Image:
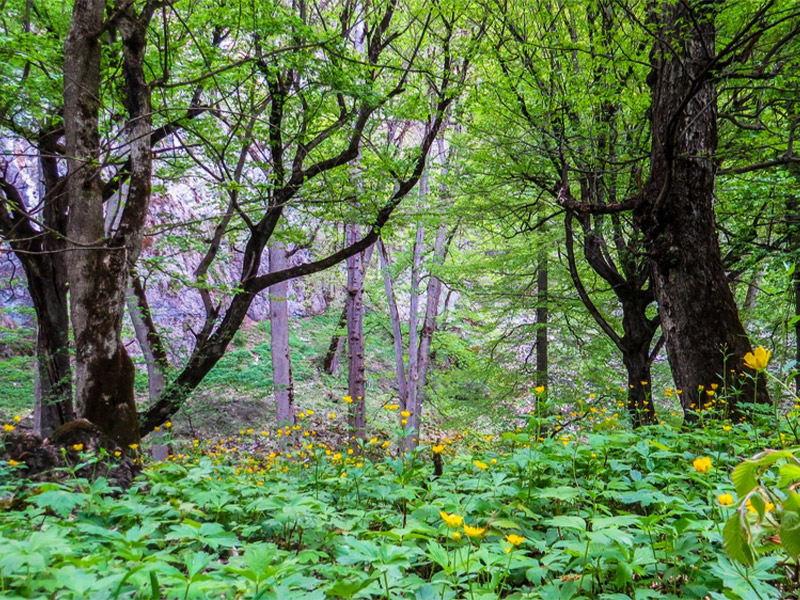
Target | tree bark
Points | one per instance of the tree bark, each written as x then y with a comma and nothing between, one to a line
356,378
282,381
397,333
155,357
705,339
541,321
433,295
99,265
638,329
331,362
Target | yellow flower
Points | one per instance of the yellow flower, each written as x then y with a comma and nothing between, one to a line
348,399
456,535
702,464
8,427
77,447
17,419
117,453
768,506
474,531
404,422
438,449
168,425
481,465
12,462
539,389
514,539
725,499
156,428
405,414
332,416
757,359
133,446
451,520
393,406
726,428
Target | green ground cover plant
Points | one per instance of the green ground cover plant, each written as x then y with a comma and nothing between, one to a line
536,512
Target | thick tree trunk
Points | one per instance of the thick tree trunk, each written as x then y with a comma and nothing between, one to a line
279,335
47,286
100,266
356,378
705,339
54,405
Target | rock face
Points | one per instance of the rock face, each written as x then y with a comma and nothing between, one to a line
57,458
180,224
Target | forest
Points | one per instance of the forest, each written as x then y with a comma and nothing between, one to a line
395,299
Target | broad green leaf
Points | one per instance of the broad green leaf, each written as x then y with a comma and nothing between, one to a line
567,521
736,539
789,473
744,477
790,533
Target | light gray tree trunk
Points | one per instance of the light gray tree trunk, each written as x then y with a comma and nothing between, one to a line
279,337
155,357
397,333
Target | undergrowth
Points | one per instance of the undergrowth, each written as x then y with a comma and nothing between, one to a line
610,515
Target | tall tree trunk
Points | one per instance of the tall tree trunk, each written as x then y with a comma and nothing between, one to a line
46,284
155,356
279,336
638,329
100,266
397,333
413,308
54,405
705,339
356,378
541,320
433,295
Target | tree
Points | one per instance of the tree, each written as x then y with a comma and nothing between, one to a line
100,262
325,125
704,337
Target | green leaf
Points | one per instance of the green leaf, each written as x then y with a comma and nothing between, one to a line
744,477
790,533
61,502
439,555
736,539
568,522
789,473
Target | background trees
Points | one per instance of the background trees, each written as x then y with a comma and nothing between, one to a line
280,122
